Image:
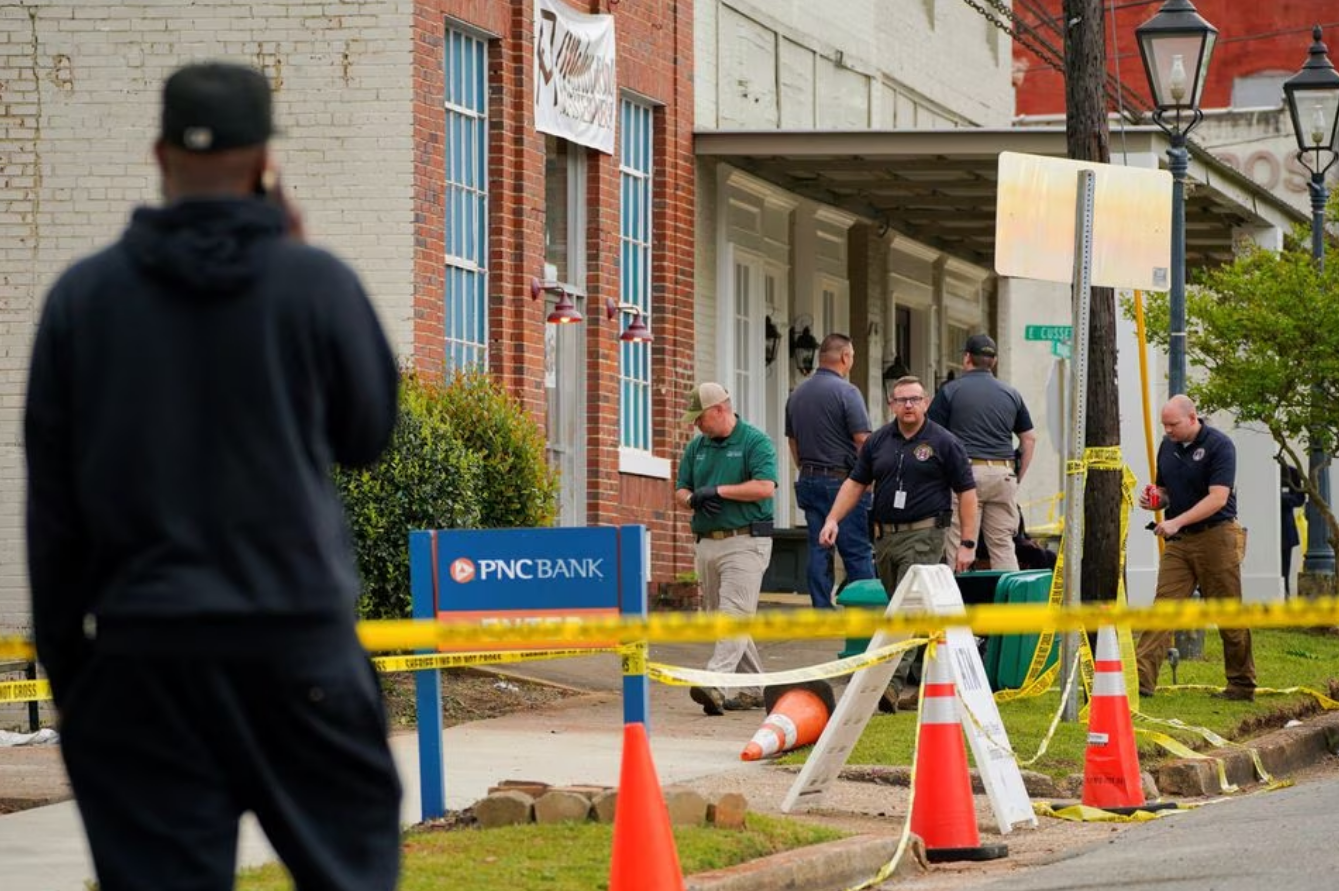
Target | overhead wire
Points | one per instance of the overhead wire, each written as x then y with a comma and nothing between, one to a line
1116,91
1031,38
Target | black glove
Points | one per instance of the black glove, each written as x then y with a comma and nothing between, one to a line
707,500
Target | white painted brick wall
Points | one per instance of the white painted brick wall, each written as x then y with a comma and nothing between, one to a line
79,105
912,64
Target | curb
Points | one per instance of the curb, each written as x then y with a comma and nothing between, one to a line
831,866
1281,752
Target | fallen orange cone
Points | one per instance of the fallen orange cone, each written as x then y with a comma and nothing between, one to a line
644,857
1111,777
942,811
796,716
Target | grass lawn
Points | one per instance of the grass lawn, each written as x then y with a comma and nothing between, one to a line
575,857
564,857
1283,658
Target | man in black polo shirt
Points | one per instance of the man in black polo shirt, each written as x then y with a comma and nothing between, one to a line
1197,470
826,423
986,414
915,466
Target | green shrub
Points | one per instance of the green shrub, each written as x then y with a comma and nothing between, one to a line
428,478
519,488
463,456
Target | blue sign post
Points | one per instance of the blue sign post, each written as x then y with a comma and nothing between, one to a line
519,576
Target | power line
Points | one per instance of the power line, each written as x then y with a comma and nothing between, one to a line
1031,38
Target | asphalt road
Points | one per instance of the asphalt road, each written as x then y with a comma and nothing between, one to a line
1282,839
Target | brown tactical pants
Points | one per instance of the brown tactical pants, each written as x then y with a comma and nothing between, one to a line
1212,559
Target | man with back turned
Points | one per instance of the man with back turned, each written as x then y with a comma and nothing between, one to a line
192,581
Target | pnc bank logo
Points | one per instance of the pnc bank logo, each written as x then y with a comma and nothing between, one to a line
462,570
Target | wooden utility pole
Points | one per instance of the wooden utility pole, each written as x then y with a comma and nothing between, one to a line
1088,138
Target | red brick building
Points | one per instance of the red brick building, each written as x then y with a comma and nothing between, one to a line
499,203
1259,46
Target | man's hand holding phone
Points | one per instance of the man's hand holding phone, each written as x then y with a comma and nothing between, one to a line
270,189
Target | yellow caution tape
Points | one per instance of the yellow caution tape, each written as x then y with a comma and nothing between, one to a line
633,660
405,634
1082,813
1322,700
426,661
677,676
904,840
25,691
1181,750
1038,678
1215,740
1055,719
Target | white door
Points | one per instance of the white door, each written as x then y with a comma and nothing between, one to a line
776,298
747,382
565,387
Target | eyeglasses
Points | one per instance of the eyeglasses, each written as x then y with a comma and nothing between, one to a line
906,400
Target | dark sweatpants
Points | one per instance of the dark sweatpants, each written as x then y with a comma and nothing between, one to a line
166,753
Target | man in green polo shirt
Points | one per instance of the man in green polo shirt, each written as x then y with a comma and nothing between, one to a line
727,477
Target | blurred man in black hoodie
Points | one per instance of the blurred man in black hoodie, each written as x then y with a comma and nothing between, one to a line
192,581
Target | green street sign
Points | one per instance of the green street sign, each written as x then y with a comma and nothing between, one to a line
1049,332
1061,349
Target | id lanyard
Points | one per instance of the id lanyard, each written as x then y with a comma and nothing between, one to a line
900,494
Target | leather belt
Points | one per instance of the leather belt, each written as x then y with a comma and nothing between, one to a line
720,534
1204,527
993,462
890,528
816,470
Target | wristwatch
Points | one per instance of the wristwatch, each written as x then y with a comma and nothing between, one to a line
969,543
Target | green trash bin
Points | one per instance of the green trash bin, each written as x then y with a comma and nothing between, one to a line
1008,656
862,594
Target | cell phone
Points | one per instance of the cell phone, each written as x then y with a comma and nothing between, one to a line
267,187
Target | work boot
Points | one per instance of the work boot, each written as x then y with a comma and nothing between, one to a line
907,701
742,702
888,699
1235,694
711,700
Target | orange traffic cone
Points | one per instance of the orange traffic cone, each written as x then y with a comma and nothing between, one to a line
943,813
1111,766
644,857
796,716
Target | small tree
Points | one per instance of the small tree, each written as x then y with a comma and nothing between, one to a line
428,478
1265,331
519,488
465,455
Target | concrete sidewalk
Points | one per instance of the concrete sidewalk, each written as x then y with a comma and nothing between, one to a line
578,741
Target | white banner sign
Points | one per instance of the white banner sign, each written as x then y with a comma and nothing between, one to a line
576,92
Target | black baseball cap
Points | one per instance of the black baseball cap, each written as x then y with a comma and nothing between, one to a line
980,345
215,106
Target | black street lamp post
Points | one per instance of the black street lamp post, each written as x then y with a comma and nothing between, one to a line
1176,45
1313,103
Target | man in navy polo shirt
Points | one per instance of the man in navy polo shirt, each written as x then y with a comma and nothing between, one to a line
986,414
915,466
1197,471
826,423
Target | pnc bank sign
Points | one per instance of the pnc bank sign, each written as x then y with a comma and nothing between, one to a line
465,570
519,576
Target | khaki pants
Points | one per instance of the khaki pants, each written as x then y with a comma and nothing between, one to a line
997,501
894,554
731,571
1212,560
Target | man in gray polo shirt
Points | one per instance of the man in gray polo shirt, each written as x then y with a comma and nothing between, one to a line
986,414
826,423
